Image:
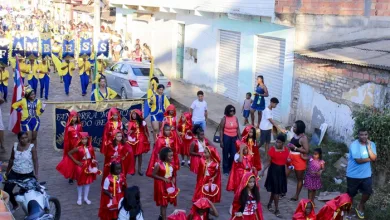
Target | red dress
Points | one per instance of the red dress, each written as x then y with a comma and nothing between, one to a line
331,210
177,215
171,121
185,127
116,154
238,170
300,212
252,147
165,193
138,139
109,128
109,207
205,186
198,148
162,142
84,173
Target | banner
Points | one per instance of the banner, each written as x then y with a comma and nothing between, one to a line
32,48
93,117
68,47
17,45
85,46
45,45
4,51
103,46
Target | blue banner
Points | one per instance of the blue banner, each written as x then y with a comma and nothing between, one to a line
85,46
68,47
103,48
45,45
18,46
92,121
4,51
32,48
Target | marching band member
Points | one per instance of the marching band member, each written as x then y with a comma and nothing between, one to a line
83,156
201,209
305,211
102,93
197,148
101,66
158,103
249,138
114,122
185,132
44,77
67,68
170,118
84,71
4,76
31,71
336,209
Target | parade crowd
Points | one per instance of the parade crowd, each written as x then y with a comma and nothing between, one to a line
178,142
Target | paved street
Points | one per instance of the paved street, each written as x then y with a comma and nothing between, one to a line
59,187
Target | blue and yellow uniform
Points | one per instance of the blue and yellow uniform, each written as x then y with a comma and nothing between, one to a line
32,76
158,105
67,72
84,70
31,110
4,76
98,96
44,78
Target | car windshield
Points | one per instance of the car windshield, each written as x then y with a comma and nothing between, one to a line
145,72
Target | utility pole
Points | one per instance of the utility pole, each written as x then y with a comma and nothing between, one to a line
96,26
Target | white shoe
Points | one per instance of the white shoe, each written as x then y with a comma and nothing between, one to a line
79,202
87,201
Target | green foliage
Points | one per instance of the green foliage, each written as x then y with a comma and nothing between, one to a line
378,207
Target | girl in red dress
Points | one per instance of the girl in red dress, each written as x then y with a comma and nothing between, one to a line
85,162
242,164
178,214
208,182
121,152
164,175
71,136
185,133
138,137
246,203
201,209
113,188
305,210
197,148
170,119
164,139
336,209
249,138
114,122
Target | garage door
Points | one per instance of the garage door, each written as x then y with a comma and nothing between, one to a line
270,64
228,63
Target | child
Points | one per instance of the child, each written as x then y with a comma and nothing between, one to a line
208,182
164,140
184,128
83,156
246,203
138,136
305,210
112,192
242,164
178,214
313,173
114,122
164,175
197,148
130,205
170,119
249,138
336,209
71,137
246,107
201,209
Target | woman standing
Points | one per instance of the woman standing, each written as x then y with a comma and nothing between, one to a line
299,147
229,133
103,93
23,164
258,103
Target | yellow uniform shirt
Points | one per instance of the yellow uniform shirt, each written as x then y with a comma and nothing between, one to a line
69,69
4,76
31,70
99,96
101,67
43,69
23,105
85,67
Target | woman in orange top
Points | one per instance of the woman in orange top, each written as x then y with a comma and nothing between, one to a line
114,122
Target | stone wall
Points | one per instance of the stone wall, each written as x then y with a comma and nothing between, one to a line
328,92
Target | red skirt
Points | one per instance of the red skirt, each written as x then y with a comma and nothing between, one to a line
185,146
84,176
214,196
128,165
195,163
256,158
142,146
161,195
106,213
67,168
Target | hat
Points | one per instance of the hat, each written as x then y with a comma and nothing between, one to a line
84,134
28,90
202,203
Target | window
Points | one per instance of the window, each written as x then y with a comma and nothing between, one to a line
145,72
125,69
116,67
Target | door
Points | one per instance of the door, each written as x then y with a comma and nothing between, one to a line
180,51
228,63
270,64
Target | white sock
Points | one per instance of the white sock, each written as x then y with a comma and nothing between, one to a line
86,191
79,192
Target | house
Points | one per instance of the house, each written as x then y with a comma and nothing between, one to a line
219,45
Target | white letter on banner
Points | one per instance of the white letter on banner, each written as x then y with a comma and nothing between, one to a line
46,48
103,47
32,46
68,48
86,46
18,46
2,53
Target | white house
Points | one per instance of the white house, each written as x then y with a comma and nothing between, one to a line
216,44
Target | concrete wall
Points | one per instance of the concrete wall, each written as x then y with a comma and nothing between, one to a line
328,92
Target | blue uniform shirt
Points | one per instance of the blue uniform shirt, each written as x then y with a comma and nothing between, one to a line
358,151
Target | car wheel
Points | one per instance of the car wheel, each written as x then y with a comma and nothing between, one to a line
123,94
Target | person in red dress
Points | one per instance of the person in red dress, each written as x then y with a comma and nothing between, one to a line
164,139
71,136
121,152
138,137
178,214
164,175
249,138
170,119
208,181
305,210
197,148
113,188
336,209
114,122
201,209
185,133
246,204
242,164
85,162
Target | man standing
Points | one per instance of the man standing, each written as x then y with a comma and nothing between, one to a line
199,111
361,153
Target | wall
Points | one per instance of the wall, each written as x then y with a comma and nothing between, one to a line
327,92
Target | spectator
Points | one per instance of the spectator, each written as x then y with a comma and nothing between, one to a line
361,153
199,111
246,107
229,133
130,205
258,103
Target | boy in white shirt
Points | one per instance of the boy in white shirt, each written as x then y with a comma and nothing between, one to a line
199,111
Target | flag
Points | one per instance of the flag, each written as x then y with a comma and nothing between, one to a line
15,116
94,75
146,101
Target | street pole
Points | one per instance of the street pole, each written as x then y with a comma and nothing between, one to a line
96,26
